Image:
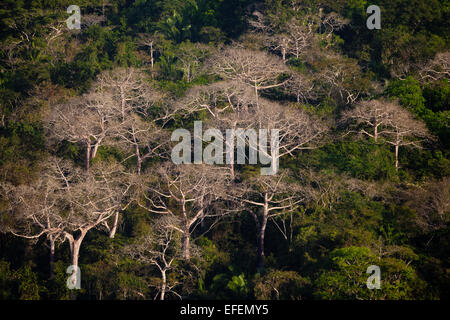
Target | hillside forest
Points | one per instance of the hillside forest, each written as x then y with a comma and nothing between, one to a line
87,177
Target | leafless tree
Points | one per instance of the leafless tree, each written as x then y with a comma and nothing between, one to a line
330,23
217,99
184,193
229,104
394,123
109,111
437,68
161,249
151,41
87,120
297,130
142,139
296,35
301,87
255,68
267,197
133,99
404,130
32,208
375,114
431,202
66,203
128,90
341,77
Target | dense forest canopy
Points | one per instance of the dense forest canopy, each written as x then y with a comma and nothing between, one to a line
87,180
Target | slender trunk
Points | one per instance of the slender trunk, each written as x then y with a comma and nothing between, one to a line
186,246
375,132
189,73
163,285
139,166
152,61
230,151
397,146
52,257
88,155
262,232
123,103
113,231
232,171
185,240
94,150
256,93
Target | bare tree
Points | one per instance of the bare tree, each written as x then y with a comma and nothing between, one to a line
375,114
395,124
227,102
341,77
330,23
161,249
254,68
296,130
267,197
297,34
404,130
301,87
217,99
437,68
185,193
32,209
142,139
66,203
128,90
431,202
87,121
151,41
133,100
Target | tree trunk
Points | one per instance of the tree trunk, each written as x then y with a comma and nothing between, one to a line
52,257
151,56
256,93
230,152
75,245
397,146
139,166
94,150
163,285
262,232
123,103
375,132
113,231
232,171
88,155
186,246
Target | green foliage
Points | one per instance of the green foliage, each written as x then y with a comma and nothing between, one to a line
280,285
347,277
360,159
